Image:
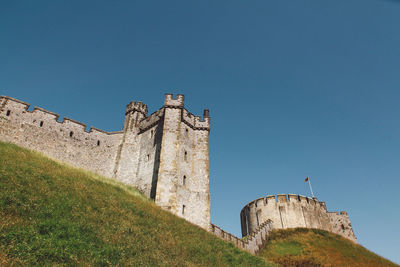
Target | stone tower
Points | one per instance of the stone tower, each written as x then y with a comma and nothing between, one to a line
291,211
164,155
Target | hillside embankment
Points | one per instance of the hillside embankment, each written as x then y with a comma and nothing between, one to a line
55,215
314,247
52,214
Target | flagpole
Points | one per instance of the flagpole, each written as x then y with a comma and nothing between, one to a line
309,183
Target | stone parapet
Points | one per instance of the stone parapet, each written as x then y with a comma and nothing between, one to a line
252,244
291,211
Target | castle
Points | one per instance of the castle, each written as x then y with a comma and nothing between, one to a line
293,211
165,155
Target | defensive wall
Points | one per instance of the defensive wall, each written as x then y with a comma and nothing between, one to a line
164,155
291,211
252,243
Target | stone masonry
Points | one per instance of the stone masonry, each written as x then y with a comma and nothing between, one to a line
164,155
294,211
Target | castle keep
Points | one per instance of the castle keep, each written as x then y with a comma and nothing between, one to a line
294,211
164,155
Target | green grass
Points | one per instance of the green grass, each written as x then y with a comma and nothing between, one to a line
52,214
313,247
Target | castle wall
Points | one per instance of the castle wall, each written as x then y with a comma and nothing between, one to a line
153,153
149,160
67,141
293,211
341,225
183,181
193,181
252,244
168,169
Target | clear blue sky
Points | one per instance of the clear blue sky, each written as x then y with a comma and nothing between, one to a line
295,88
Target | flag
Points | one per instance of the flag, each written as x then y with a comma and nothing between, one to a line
306,179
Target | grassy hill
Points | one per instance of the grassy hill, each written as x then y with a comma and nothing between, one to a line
54,214
313,247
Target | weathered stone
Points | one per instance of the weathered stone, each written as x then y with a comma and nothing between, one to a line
164,155
294,211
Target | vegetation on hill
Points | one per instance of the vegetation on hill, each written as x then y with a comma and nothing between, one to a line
52,214
313,247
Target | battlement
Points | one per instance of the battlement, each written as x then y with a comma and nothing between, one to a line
136,106
15,107
151,120
290,211
285,199
195,122
172,102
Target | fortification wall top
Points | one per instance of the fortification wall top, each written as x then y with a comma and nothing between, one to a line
15,105
172,102
283,198
136,106
195,122
151,120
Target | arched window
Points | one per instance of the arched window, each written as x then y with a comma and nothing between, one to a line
184,180
41,124
186,155
71,133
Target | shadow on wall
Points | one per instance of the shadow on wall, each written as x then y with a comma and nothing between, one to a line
157,144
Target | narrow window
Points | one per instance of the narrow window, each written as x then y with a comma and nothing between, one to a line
185,156
8,113
98,142
148,157
183,209
258,221
186,132
184,179
41,124
342,227
71,134
151,133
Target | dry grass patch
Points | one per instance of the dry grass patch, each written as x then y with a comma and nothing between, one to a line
313,247
58,215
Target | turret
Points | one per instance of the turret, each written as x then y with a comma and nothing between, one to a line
170,102
135,112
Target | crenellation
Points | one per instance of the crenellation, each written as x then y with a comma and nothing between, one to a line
282,198
172,102
260,202
136,106
152,120
290,211
144,154
201,124
46,113
294,198
271,199
166,156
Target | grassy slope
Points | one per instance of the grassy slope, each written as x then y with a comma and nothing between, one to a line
51,213
312,247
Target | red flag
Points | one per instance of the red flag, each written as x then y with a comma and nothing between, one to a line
306,179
